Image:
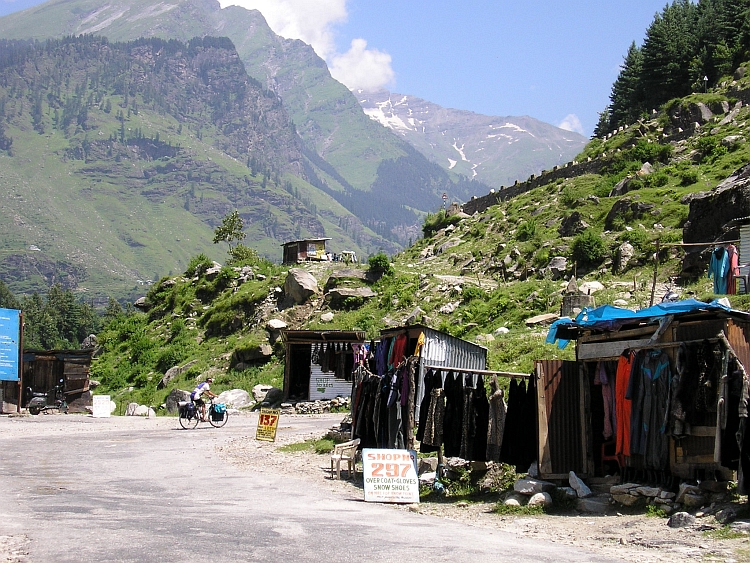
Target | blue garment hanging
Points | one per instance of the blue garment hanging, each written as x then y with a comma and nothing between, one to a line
719,270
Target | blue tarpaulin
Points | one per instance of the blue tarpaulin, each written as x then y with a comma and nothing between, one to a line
608,317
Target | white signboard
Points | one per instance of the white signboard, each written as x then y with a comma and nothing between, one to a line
390,475
101,406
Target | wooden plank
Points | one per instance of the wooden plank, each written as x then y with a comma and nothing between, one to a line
612,349
623,334
587,450
705,431
545,456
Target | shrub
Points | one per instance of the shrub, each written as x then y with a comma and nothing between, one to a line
588,248
650,152
688,177
527,230
471,292
638,238
198,265
436,221
541,258
656,180
380,263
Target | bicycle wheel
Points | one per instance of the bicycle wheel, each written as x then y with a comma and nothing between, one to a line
218,423
187,420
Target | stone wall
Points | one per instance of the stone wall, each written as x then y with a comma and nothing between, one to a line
566,171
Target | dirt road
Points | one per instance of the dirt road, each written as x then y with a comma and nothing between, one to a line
76,488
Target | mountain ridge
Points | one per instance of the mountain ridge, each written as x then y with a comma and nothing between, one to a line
496,150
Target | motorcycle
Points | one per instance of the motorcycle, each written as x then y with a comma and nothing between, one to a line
40,401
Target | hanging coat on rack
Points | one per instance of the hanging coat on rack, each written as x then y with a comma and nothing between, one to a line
454,414
496,421
719,270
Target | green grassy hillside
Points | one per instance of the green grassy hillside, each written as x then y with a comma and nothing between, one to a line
117,169
479,277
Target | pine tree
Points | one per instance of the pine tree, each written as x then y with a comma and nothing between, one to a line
627,92
668,49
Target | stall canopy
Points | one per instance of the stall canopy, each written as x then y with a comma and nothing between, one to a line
609,318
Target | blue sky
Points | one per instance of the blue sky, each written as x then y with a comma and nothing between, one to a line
554,61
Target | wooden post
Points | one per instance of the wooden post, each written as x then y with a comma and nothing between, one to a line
20,364
656,270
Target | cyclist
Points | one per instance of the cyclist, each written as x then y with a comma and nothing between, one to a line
197,396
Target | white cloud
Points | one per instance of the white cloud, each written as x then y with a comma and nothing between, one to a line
571,123
314,23
361,67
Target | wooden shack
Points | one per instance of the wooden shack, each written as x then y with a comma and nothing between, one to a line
304,250
571,409
43,369
317,362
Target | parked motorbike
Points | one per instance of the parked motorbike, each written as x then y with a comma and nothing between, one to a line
41,401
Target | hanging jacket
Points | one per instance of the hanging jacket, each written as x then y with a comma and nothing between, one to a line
719,270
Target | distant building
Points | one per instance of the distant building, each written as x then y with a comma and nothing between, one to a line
302,250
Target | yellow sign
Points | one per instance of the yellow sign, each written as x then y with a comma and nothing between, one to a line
268,422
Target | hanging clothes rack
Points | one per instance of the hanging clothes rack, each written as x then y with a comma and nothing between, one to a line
481,371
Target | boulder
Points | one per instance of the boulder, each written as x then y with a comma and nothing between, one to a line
590,287
623,256
448,245
646,170
236,398
260,391
739,74
532,486
540,499
681,520
326,317
556,268
427,465
594,505
142,410
627,184
515,499
726,515
174,372
89,342
690,500
687,489
175,397
578,485
275,324
342,298
142,304
273,399
730,141
245,357
627,210
627,500
572,225
623,489
300,285
651,492
709,211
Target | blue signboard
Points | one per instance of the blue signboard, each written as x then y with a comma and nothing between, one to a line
10,343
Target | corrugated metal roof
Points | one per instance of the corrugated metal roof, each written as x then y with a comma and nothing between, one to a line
314,336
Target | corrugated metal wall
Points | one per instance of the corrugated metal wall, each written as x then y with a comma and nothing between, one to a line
325,386
562,436
441,349
744,250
